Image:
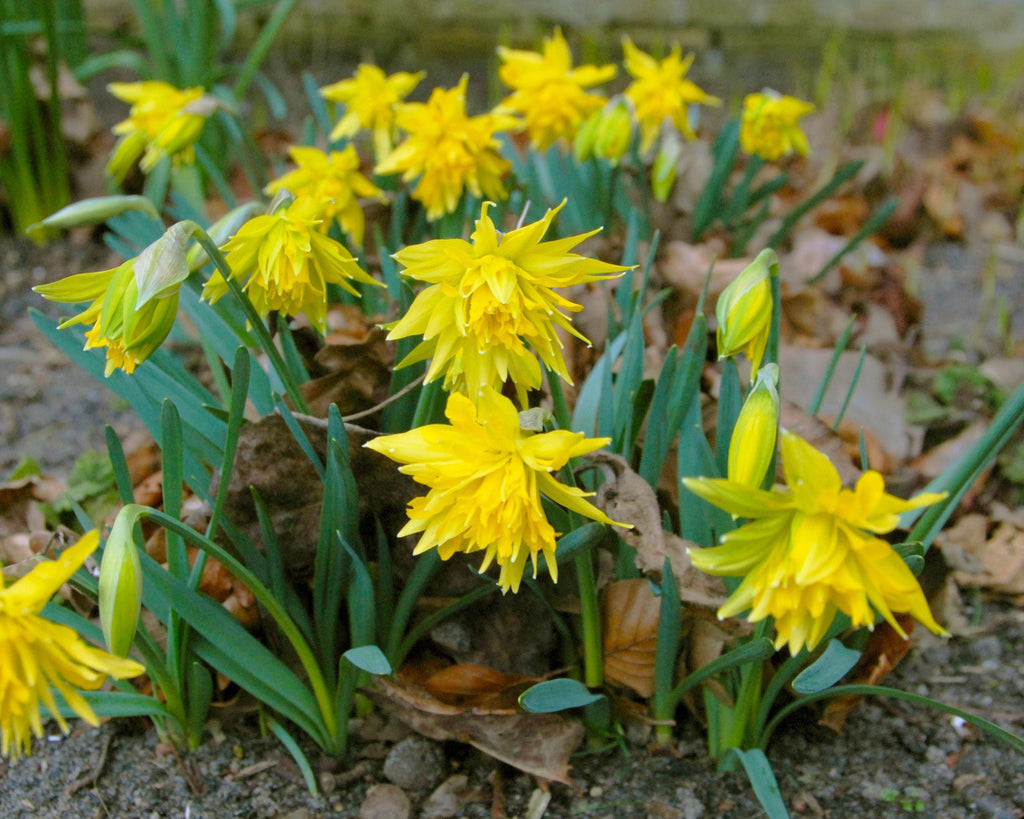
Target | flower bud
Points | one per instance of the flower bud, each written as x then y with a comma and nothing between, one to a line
744,311
586,136
92,211
163,264
663,174
753,438
614,132
120,594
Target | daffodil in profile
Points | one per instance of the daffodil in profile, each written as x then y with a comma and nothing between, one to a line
286,263
334,180
38,655
490,308
770,127
660,91
447,151
551,95
163,121
134,305
486,476
744,311
371,99
810,549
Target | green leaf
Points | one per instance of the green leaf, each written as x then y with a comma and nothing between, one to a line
827,670
114,704
308,776
557,695
369,659
762,780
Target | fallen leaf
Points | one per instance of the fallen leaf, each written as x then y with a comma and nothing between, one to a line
630,613
994,562
539,744
478,687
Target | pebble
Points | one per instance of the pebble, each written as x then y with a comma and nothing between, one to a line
448,798
986,650
415,764
385,802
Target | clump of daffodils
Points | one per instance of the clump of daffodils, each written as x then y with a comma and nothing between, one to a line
548,92
447,152
490,308
36,654
163,121
811,549
486,476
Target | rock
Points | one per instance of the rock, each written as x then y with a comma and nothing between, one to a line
447,800
986,650
692,807
385,802
415,764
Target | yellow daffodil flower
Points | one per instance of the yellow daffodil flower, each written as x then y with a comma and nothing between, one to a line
744,311
371,98
491,301
287,263
661,91
549,93
770,128
134,305
163,121
448,151
332,179
486,476
753,438
36,654
810,551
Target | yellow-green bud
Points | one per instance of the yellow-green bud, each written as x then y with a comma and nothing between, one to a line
93,211
120,594
163,264
663,174
744,311
753,438
583,145
614,132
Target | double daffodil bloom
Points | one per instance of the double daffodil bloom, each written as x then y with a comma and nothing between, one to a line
549,93
333,180
661,91
754,436
371,98
744,311
134,305
810,549
486,476
491,301
770,126
36,654
287,263
448,151
163,121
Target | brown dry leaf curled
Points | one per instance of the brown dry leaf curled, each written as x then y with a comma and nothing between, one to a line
539,744
630,613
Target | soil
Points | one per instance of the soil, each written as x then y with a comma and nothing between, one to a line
892,759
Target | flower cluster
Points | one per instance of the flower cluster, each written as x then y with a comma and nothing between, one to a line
36,654
770,126
163,121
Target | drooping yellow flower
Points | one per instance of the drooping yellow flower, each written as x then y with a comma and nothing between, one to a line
288,263
371,98
134,305
549,93
770,126
332,179
448,151
752,444
36,654
810,549
163,121
486,476
744,311
491,302
661,91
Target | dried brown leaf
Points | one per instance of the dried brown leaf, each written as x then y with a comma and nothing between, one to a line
539,744
630,615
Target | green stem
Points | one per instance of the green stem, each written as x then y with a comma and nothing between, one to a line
590,613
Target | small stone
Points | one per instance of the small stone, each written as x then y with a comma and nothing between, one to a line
691,806
415,764
597,791
986,650
448,799
385,802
